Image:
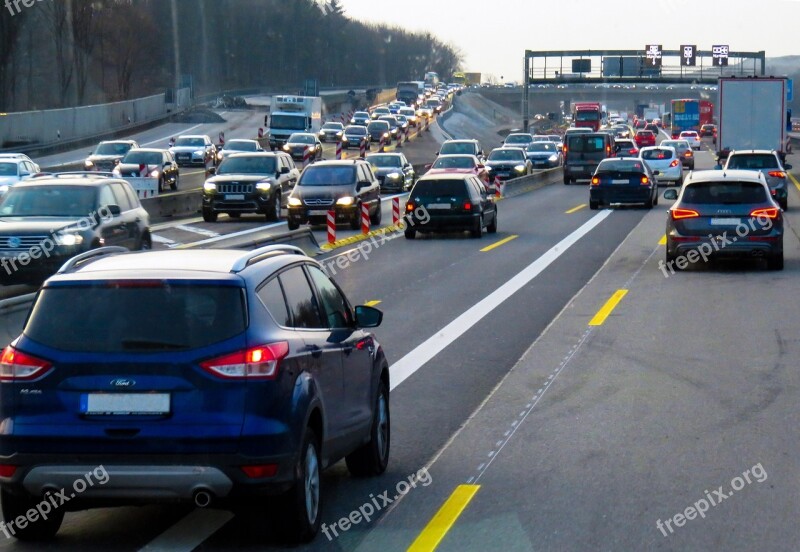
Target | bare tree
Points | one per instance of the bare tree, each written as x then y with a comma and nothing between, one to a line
59,18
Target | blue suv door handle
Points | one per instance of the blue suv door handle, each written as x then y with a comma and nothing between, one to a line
316,352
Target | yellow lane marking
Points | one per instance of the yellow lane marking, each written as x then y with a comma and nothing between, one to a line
796,183
445,518
574,209
371,303
603,313
499,243
663,240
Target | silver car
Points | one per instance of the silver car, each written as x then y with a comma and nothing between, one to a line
769,164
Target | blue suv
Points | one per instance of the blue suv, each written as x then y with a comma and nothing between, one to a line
203,376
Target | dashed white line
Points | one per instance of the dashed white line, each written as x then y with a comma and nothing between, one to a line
198,230
190,532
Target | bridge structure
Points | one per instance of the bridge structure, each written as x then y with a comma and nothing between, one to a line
652,65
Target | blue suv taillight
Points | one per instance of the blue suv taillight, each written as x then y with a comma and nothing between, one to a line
255,363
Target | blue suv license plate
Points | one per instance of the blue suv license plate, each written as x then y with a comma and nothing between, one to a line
125,404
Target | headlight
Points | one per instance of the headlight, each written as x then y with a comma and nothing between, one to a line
338,134
295,202
489,168
68,239
352,121
519,168
200,152
345,201
263,186
345,139
553,157
286,147
394,175
385,134
154,174
116,172
88,163
209,187
219,156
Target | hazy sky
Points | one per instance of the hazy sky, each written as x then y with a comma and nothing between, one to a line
493,35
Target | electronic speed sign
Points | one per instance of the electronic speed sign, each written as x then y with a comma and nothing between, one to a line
719,54
688,55
653,54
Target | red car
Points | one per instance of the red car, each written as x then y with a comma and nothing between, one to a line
459,164
645,138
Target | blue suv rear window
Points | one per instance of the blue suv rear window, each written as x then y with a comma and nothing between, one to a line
136,317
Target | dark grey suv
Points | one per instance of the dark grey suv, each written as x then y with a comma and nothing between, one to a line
250,183
339,186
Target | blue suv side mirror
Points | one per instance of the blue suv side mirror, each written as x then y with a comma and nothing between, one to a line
368,317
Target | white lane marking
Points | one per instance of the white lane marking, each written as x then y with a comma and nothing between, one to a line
235,234
414,360
166,138
161,239
174,223
196,230
190,532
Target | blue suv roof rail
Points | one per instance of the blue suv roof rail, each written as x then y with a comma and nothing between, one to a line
256,255
73,263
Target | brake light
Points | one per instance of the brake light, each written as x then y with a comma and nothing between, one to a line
260,471
467,206
645,180
687,154
256,363
409,206
633,151
7,470
674,163
777,174
18,366
678,214
769,212
595,181
608,150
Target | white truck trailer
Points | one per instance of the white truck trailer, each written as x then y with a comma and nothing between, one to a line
290,114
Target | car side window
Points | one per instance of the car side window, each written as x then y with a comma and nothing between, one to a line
289,162
120,197
334,305
362,174
134,199
272,297
107,197
300,299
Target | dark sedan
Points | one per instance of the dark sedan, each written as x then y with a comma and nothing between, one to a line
150,163
723,214
507,163
623,182
107,154
300,142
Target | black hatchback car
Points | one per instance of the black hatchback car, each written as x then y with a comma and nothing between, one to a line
342,186
623,182
47,220
724,214
150,163
447,203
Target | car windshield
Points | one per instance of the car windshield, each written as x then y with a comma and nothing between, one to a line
158,317
287,122
542,146
241,145
332,126
301,139
729,193
143,158
613,166
507,155
8,169
248,165
328,176
48,201
457,147
454,162
360,130
384,160
378,126
677,144
112,149
189,142
753,161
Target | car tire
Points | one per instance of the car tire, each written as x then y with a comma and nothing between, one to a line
594,205
410,234
492,228
784,204
15,506
146,243
174,184
209,215
372,458
274,209
376,218
302,504
292,224
671,261
355,220
775,262
477,230
160,185
567,181
655,198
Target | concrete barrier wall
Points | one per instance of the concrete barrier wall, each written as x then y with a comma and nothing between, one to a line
61,125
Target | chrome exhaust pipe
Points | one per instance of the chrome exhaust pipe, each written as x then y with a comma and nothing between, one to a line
202,498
